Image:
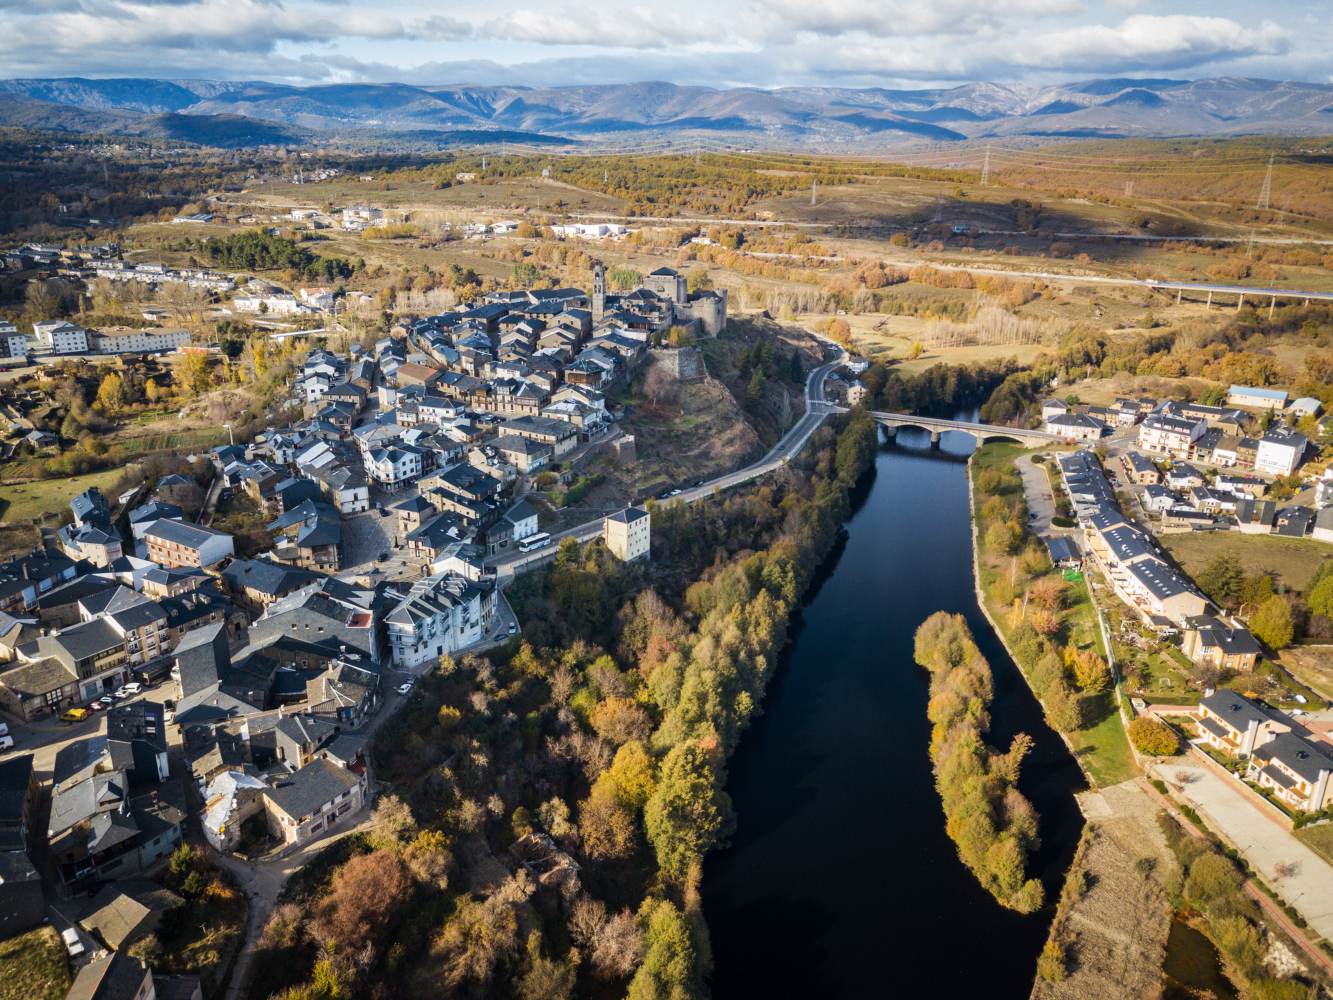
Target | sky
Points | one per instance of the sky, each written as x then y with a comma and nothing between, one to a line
765,43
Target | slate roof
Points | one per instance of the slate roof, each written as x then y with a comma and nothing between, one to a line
301,793
115,976
1238,710
1304,757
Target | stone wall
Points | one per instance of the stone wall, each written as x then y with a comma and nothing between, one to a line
686,364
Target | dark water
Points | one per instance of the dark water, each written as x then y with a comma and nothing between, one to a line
1193,964
840,880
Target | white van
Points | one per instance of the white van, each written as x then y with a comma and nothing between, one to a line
72,943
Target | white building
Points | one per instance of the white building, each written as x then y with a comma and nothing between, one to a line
392,467
440,615
317,298
1074,426
1172,436
1256,398
131,341
272,305
358,217
1279,453
628,533
522,518
61,337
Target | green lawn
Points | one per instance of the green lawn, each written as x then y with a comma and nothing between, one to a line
1102,749
30,501
1291,560
33,966
1319,839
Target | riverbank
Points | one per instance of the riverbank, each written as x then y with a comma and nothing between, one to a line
1109,934
1101,746
841,840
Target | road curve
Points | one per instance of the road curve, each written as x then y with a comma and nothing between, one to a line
817,410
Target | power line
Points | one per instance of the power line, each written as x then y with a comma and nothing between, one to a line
985,169
1266,192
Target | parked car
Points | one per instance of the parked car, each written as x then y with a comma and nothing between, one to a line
4,729
513,627
95,706
385,512
107,699
74,715
133,687
405,687
72,943
6,744
120,693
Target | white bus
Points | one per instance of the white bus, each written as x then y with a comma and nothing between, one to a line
534,541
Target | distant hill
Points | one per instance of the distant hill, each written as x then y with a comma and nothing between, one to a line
643,114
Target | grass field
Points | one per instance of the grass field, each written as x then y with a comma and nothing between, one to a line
1292,561
1319,839
1311,666
31,501
33,966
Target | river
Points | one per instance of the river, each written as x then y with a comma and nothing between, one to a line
840,880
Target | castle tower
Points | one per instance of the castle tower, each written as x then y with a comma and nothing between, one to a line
598,291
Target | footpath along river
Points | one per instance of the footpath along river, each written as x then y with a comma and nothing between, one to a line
840,880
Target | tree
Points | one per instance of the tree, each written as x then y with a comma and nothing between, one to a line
1091,673
1272,623
363,902
670,969
619,720
606,823
687,809
755,390
192,371
111,393
1064,707
1223,579
544,978
475,939
1320,598
1212,881
1153,737
1051,963
632,774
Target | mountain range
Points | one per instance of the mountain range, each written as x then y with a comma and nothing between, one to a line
225,113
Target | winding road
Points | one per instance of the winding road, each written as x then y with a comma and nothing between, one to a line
817,410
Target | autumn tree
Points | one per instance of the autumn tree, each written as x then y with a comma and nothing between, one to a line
1090,671
111,393
476,939
1153,737
363,902
1272,623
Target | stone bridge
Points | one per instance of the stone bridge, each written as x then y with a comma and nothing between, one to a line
982,432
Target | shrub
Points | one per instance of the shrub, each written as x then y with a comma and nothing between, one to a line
1051,963
1153,737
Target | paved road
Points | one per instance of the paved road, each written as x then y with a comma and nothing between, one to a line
817,410
1265,844
1039,496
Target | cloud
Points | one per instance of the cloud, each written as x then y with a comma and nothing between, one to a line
626,28
1151,42
707,42
774,20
